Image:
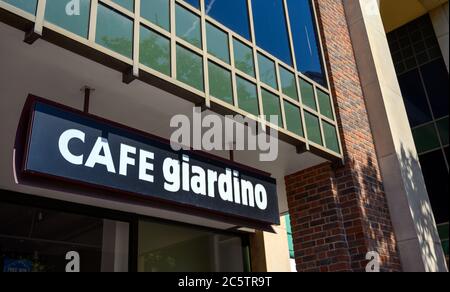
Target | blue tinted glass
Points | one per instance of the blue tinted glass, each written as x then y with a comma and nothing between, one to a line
415,98
270,28
233,14
306,45
195,3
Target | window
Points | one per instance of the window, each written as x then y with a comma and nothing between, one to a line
426,138
233,14
288,83
267,72
243,58
220,83
195,3
271,104
188,26
127,4
157,12
313,128
443,130
189,68
154,51
331,139
305,39
270,28
55,12
114,31
308,97
435,78
325,104
247,96
293,118
26,5
217,41
165,247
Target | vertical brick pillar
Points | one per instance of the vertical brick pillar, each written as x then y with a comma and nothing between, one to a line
340,213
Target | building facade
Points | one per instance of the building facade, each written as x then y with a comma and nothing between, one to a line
93,91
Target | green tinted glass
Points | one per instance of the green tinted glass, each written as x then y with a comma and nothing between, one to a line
114,31
247,96
331,139
325,104
426,138
288,83
272,106
188,26
217,41
157,12
189,68
220,83
313,128
307,91
128,4
443,130
55,12
243,58
26,5
293,118
267,72
154,51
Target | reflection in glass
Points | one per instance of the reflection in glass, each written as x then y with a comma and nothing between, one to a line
26,5
127,4
293,118
325,104
154,51
157,12
195,3
233,14
220,83
272,107
188,26
55,12
426,138
313,128
217,41
247,96
305,38
243,58
189,68
435,77
270,28
114,31
288,83
267,72
307,91
331,139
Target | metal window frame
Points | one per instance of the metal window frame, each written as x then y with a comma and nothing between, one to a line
136,68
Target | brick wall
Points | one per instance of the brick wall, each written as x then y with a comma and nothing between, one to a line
339,213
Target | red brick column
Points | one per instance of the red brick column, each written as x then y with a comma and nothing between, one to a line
340,213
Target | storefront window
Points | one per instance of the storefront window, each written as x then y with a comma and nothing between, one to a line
38,240
172,248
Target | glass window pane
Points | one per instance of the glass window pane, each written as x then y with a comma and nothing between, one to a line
154,51
331,139
443,130
306,43
233,14
426,138
267,72
313,128
217,41
271,30
26,5
167,247
307,91
243,58
272,107
114,31
189,68
325,104
220,83
195,3
288,83
436,178
247,96
435,77
415,98
55,12
188,26
293,118
128,4
157,12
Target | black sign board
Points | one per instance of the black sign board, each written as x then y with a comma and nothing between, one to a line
70,145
